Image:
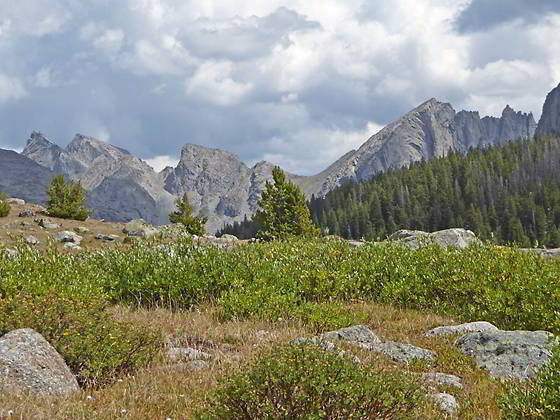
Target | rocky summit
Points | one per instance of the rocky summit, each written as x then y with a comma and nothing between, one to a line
221,187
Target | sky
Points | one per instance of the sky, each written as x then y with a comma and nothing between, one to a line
296,82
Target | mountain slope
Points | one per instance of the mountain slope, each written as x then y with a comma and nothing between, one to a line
549,124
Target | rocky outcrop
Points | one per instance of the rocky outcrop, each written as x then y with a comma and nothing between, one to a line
549,124
29,364
470,327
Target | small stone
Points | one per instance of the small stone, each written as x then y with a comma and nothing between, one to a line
71,246
31,240
67,236
177,354
446,402
81,229
26,213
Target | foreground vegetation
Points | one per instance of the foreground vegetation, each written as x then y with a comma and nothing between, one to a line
290,288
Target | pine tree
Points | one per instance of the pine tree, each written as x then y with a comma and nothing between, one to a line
183,215
67,199
283,210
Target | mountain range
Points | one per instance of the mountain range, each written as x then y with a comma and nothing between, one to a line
220,186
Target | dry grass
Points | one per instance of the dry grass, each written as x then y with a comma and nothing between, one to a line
171,390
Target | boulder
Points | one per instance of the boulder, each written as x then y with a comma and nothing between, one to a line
16,201
106,238
26,213
509,354
478,326
11,253
457,237
400,352
139,228
29,364
81,229
67,236
229,238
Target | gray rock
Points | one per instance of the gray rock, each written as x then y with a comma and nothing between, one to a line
228,237
357,333
443,379
47,224
81,229
31,240
356,244
179,354
106,238
509,354
15,201
67,236
26,213
28,363
549,124
458,238
400,352
447,403
139,228
545,253
11,253
71,246
478,326
198,364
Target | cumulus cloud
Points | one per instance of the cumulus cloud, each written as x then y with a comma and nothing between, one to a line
161,162
298,82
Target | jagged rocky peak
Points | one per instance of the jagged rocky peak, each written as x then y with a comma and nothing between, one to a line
39,149
87,149
549,124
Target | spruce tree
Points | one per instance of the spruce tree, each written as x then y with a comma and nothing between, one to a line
283,210
66,199
183,215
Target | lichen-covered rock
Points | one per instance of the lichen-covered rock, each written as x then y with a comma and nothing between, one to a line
446,402
181,354
400,352
357,333
29,364
456,237
509,354
443,379
478,326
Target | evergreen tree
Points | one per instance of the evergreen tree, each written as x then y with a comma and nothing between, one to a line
283,210
183,215
4,206
67,199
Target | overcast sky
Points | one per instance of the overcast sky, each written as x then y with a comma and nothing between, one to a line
295,82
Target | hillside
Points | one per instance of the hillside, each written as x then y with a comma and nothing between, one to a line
506,194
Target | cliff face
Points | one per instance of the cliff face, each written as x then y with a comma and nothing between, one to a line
426,132
120,186
549,124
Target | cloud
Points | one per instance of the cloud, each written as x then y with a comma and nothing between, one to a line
481,15
161,162
11,88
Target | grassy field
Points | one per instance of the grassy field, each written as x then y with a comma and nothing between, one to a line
110,312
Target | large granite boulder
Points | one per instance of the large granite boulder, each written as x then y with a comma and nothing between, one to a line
509,354
456,237
469,327
29,364
139,228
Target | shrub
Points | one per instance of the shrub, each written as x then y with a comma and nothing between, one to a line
4,206
66,199
183,215
305,382
284,210
535,399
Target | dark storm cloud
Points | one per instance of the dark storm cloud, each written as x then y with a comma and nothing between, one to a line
482,15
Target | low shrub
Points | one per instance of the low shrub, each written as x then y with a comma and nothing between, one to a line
535,399
305,382
4,206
